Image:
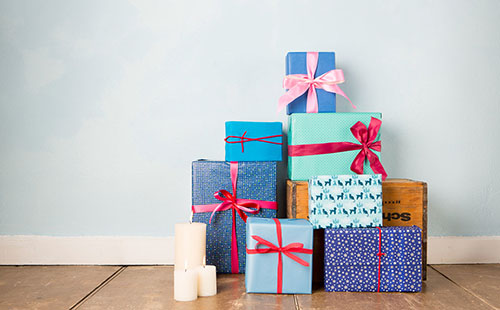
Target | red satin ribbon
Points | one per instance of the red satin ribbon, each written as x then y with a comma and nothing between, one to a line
280,249
362,134
230,202
244,139
379,254
240,206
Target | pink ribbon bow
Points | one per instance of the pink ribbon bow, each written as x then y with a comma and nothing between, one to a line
280,249
240,206
362,134
298,84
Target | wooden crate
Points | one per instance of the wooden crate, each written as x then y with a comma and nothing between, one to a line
297,202
404,204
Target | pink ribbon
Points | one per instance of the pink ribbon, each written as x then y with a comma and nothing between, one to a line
362,134
240,206
298,84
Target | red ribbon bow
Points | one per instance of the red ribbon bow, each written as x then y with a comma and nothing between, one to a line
244,139
379,254
280,249
230,202
362,134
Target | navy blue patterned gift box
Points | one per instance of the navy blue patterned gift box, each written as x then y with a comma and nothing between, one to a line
384,259
224,194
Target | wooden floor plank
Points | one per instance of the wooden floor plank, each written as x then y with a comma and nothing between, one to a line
152,288
482,281
60,287
438,293
48,287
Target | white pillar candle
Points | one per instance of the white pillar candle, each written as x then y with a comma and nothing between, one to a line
207,280
190,245
185,284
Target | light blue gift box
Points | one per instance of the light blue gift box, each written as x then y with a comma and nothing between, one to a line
253,141
261,274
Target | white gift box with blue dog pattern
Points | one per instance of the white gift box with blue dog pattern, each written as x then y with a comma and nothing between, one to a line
345,201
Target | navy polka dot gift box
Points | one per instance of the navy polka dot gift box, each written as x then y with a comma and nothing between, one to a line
380,259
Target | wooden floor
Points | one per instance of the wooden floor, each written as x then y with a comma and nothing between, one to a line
122,287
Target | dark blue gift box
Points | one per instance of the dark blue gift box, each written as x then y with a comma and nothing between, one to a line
296,64
352,263
256,181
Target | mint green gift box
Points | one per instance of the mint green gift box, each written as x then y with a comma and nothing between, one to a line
313,128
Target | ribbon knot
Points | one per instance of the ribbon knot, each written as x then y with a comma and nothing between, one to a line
365,147
244,139
287,250
298,84
229,201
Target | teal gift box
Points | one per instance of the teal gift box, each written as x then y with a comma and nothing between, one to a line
279,256
253,141
331,143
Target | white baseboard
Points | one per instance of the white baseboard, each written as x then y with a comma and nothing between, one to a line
463,250
45,250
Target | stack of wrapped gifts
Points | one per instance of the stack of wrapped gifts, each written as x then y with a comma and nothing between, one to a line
348,226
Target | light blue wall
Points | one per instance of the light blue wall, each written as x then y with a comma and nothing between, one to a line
103,104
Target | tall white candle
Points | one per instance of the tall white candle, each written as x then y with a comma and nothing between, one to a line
207,280
190,245
185,284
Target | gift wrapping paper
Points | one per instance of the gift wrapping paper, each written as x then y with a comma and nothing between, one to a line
296,63
352,259
346,201
318,128
256,181
253,141
261,273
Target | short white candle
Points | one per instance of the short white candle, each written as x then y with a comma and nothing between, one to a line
207,280
185,284
190,245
